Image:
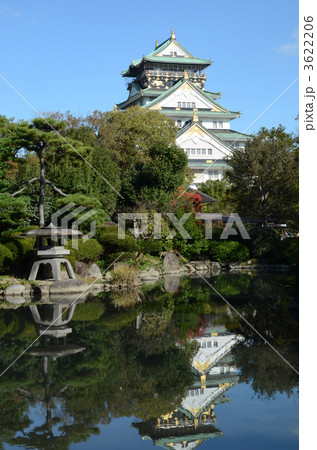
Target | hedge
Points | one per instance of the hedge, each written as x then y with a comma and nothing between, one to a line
151,246
108,238
228,251
87,252
16,253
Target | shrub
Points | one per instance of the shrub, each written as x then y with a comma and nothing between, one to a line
123,274
264,241
288,252
108,238
16,253
151,246
88,252
5,255
117,257
228,251
13,248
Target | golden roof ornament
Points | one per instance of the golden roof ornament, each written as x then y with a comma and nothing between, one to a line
195,117
156,44
185,74
115,108
173,34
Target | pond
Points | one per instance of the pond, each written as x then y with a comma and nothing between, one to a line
170,365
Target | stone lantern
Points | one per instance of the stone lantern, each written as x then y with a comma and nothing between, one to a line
51,251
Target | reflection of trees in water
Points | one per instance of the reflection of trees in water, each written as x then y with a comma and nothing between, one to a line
264,370
133,364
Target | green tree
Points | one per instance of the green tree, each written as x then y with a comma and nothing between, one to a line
263,177
40,137
130,135
220,190
7,152
154,180
67,155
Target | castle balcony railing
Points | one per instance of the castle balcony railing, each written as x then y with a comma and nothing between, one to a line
175,74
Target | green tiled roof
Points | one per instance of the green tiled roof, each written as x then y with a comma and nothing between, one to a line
166,43
213,95
233,135
175,59
196,164
148,92
189,113
152,57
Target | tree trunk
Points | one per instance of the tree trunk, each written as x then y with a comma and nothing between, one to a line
42,187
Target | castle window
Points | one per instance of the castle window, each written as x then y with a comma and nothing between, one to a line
209,151
193,105
187,150
183,104
188,104
179,104
192,151
203,151
213,174
179,123
198,151
214,124
220,124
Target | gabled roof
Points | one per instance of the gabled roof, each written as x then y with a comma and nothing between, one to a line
181,82
153,57
193,123
166,43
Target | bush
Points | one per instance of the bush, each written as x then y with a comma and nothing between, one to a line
287,252
151,246
123,274
5,255
264,241
193,249
228,251
88,252
108,238
117,257
16,253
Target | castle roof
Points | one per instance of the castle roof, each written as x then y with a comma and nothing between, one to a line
160,57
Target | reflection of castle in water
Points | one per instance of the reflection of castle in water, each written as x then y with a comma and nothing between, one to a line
193,422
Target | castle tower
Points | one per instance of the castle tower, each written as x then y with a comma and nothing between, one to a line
171,80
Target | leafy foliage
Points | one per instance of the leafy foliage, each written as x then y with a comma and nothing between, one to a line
228,251
263,177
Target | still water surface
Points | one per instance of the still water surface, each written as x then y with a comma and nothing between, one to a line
168,365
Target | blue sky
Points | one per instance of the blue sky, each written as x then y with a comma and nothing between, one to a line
68,55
